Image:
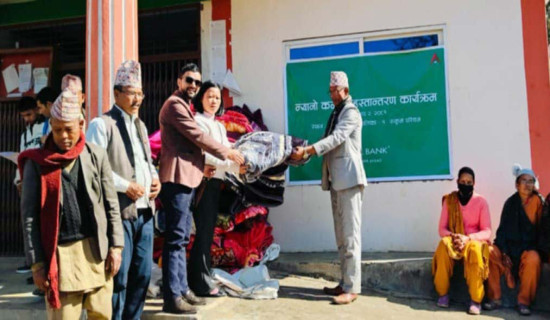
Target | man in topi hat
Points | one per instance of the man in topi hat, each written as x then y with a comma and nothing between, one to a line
71,216
343,174
124,136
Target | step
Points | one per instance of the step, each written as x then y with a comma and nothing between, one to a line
406,274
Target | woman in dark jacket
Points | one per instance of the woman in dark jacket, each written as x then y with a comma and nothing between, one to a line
515,249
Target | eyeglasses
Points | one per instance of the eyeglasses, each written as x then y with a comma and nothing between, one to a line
527,181
135,94
334,90
190,80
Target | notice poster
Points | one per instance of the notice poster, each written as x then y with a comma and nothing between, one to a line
402,99
11,78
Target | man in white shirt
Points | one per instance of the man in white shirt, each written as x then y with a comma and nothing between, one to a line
125,137
30,138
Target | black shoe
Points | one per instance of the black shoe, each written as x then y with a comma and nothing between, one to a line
179,306
23,269
192,299
30,280
38,292
215,293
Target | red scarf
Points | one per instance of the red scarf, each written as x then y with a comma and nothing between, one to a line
50,161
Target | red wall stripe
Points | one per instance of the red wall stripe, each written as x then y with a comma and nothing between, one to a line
106,57
221,10
92,95
537,76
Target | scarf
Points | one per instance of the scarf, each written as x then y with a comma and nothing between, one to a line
50,161
456,225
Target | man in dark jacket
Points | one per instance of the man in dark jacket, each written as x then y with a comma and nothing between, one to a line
181,171
71,216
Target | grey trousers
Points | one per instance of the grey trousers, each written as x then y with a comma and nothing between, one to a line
346,211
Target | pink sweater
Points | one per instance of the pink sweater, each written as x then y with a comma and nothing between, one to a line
476,218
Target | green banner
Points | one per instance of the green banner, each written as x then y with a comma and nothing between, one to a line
403,102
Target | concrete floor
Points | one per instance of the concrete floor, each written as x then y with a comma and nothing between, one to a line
300,297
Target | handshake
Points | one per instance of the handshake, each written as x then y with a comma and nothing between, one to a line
302,153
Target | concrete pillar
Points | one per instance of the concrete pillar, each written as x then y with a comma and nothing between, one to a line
111,38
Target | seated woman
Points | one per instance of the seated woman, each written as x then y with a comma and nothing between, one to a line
514,252
465,229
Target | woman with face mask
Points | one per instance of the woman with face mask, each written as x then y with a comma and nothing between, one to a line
465,230
514,252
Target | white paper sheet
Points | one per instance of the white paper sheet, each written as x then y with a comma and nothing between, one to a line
40,76
231,84
10,155
11,79
218,57
25,74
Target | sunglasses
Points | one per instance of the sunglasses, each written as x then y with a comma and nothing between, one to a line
190,80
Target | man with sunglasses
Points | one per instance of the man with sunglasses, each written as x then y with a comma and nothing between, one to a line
181,171
124,136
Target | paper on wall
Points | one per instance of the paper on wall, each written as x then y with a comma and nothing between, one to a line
25,74
11,79
218,57
230,83
10,155
40,76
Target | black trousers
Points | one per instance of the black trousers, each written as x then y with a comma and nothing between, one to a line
205,215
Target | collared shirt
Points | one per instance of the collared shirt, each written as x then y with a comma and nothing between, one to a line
30,139
145,173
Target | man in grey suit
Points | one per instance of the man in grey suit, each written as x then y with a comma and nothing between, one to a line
73,230
344,175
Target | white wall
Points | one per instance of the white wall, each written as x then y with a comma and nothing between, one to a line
206,48
488,107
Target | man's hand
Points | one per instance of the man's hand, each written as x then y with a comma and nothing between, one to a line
114,259
209,171
135,191
39,279
297,153
155,189
243,168
236,156
506,261
19,187
310,150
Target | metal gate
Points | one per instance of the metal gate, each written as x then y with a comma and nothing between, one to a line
159,78
163,50
11,232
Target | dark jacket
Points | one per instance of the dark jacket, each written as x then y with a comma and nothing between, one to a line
183,142
515,232
544,229
98,179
